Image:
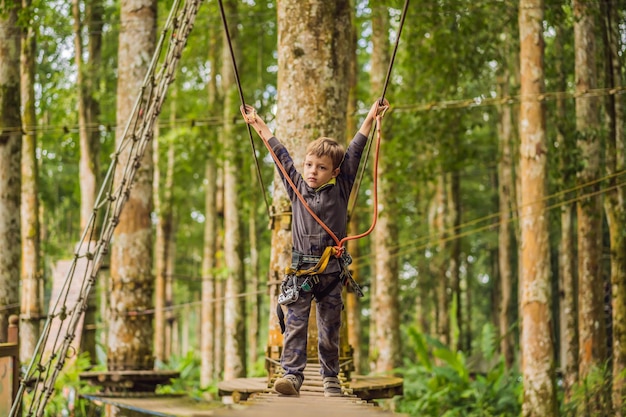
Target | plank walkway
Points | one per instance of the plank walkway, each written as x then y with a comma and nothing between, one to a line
310,403
252,397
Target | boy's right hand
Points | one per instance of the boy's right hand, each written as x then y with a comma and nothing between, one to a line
249,113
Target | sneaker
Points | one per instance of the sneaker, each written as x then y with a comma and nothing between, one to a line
332,387
287,385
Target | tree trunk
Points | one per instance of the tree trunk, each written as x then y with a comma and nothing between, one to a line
439,227
86,79
454,267
255,287
207,345
386,234
505,257
132,284
313,59
208,313
615,205
163,207
89,135
234,303
32,273
10,157
568,324
538,352
591,321
219,280
353,303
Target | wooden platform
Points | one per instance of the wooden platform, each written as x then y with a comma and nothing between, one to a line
311,401
159,405
308,404
364,387
254,397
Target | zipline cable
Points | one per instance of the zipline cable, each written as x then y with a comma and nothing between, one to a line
243,103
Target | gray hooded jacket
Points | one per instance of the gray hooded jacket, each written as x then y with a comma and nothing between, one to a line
329,201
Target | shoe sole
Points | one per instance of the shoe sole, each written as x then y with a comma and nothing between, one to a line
285,388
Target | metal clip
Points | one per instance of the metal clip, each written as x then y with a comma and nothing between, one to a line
289,291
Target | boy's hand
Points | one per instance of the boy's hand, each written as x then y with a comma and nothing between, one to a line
380,106
249,114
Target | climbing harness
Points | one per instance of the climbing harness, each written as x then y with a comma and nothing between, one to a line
298,280
291,287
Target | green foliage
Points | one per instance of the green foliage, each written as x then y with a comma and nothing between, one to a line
189,380
591,397
441,383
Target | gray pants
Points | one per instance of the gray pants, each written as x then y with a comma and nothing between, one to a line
329,308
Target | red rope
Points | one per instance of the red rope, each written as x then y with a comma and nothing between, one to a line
379,119
339,243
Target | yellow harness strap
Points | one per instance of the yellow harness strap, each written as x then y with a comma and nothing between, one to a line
319,268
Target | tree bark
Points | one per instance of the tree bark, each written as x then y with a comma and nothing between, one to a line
132,284
505,257
32,274
454,267
538,352
87,78
163,207
568,323
234,303
440,205
255,285
208,313
591,321
386,233
353,303
88,107
219,280
10,157
615,204
313,60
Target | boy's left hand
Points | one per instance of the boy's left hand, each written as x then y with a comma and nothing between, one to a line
381,107
249,113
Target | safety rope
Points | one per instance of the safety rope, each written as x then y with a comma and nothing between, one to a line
243,103
52,350
339,248
382,99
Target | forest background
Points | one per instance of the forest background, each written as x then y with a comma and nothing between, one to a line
536,326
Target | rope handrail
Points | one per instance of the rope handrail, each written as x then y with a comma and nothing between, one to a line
51,353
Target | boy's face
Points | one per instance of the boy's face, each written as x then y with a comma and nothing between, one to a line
318,170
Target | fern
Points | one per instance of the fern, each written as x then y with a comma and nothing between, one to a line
440,382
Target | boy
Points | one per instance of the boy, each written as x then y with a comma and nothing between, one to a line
327,178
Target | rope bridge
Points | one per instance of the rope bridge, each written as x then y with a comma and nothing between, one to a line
52,350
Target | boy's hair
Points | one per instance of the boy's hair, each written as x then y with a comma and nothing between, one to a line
327,147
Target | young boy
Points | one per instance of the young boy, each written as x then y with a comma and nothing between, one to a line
327,177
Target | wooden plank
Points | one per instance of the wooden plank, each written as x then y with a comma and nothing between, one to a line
305,405
365,387
160,405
